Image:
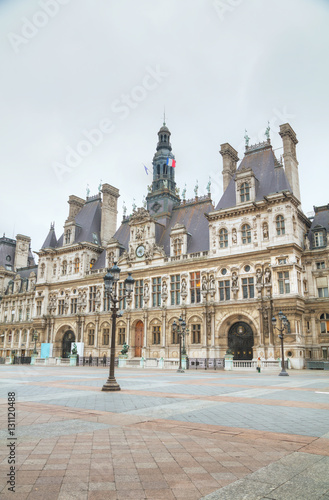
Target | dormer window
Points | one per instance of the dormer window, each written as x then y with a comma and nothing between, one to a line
318,239
177,246
244,192
280,228
68,236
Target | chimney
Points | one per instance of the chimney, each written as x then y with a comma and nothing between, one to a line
230,160
76,204
289,140
109,213
22,251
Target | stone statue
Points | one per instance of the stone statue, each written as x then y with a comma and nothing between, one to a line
265,231
124,209
267,276
183,290
196,189
164,288
208,186
134,205
88,191
100,186
204,283
184,193
234,237
267,131
307,242
165,184
234,280
144,202
259,276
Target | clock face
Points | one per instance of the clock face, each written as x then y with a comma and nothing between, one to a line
140,251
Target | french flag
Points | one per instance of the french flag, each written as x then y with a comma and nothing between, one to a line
171,162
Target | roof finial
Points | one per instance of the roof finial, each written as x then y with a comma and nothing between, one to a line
164,116
267,131
87,191
100,186
247,138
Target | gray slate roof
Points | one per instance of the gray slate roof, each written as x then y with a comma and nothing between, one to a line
271,177
51,240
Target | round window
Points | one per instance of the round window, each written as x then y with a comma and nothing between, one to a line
8,258
224,271
247,269
289,353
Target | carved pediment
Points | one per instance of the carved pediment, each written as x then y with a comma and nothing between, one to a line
141,215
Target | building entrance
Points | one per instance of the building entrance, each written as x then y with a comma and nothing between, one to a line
68,338
241,341
139,333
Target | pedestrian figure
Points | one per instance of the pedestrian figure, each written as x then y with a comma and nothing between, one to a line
258,365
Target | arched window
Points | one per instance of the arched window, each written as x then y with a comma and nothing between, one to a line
91,337
158,170
246,234
280,225
244,192
165,169
324,323
223,238
64,267
76,265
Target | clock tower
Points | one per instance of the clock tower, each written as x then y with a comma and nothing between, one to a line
162,194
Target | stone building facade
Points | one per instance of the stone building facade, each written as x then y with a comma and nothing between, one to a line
226,269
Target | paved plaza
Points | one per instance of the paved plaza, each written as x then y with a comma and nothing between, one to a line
197,435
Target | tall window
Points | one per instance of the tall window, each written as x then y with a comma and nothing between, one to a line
175,290
244,192
121,336
318,239
61,307
64,267
175,337
27,314
223,238
20,314
68,236
246,234
92,298
106,336
138,292
156,334
39,303
195,287
76,265
248,291
24,335
224,290
284,283
280,229
320,265
177,246
324,323
196,334
74,305
122,303
91,336
156,292
54,270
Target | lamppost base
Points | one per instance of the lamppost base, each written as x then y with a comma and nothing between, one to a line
283,374
111,385
180,370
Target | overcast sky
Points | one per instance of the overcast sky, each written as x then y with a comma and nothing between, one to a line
69,67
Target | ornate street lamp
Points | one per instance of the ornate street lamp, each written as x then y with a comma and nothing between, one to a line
284,324
181,331
35,338
110,290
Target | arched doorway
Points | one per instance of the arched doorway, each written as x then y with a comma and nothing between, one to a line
68,338
241,340
139,334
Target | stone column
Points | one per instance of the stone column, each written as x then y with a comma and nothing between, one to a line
164,314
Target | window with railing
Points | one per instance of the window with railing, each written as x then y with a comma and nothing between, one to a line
138,294
39,306
224,290
248,291
92,298
284,282
195,287
175,290
324,323
61,307
156,292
